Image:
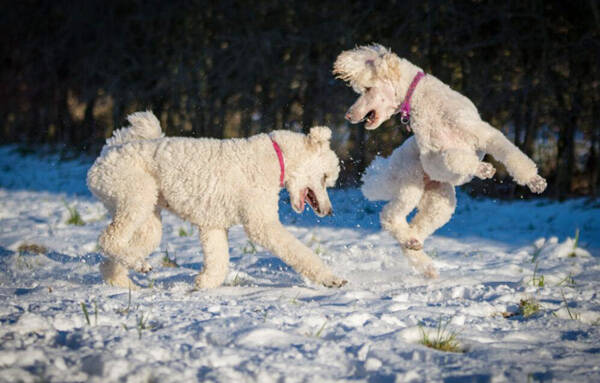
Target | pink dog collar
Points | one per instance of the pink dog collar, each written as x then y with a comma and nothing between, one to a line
281,163
404,109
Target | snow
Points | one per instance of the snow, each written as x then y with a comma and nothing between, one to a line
268,324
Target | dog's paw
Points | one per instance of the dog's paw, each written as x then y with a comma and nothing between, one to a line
206,281
333,281
122,282
142,267
413,244
485,170
430,272
537,184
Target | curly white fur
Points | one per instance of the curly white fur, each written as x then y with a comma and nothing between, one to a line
449,141
214,184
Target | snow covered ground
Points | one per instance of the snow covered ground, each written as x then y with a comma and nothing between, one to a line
267,324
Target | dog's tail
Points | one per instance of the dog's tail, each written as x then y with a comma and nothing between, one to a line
144,126
377,183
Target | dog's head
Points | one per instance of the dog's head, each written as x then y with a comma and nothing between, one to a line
311,167
371,71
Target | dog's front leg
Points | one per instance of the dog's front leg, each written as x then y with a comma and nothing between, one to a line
519,166
275,238
467,163
216,258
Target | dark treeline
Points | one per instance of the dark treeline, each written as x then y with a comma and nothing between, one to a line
72,70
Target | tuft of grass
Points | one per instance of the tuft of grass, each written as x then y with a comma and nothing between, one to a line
320,330
236,280
142,324
85,313
572,254
567,281
537,280
184,233
536,253
294,300
573,315
96,312
23,262
319,249
529,307
442,339
74,216
127,309
250,248
31,248
167,261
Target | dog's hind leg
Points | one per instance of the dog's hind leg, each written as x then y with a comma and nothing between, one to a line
216,258
115,274
134,204
393,215
435,209
421,262
147,238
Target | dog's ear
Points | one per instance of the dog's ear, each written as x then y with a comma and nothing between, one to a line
319,136
359,65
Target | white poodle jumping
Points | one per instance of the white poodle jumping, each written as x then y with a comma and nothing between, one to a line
449,141
214,184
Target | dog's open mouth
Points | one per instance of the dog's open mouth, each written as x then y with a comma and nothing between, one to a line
370,118
309,196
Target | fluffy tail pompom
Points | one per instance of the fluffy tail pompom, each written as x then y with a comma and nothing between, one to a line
377,183
144,126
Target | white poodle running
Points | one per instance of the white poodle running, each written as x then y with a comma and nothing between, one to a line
214,184
449,141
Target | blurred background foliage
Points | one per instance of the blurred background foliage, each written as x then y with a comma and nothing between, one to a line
72,70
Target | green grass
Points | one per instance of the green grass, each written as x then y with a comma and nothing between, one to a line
572,254
127,309
567,281
537,280
250,248
529,307
319,249
74,216
142,324
441,339
320,330
536,253
572,314
236,280
167,261
85,313
294,300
